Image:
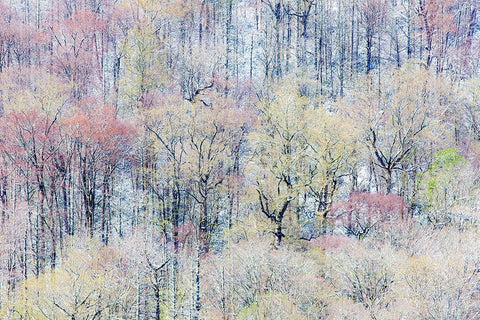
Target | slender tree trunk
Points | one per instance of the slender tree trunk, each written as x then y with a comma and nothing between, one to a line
228,41
369,44
196,284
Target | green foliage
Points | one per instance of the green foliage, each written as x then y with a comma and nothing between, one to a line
445,186
445,164
446,159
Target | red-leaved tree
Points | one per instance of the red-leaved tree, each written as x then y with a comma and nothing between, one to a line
102,142
364,212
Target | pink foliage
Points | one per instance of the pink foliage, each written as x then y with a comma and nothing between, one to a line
33,141
101,132
329,242
78,49
363,212
185,232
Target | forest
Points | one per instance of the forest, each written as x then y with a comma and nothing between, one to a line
239,159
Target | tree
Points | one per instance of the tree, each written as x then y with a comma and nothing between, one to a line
366,277
364,213
395,117
32,122
281,150
102,142
76,41
144,53
445,187
437,21
373,16
299,156
251,281
92,283
443,284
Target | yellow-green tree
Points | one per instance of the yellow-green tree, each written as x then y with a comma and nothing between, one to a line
447,189
300,152
144,55
92,283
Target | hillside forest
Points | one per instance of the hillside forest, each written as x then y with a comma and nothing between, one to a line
239,159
